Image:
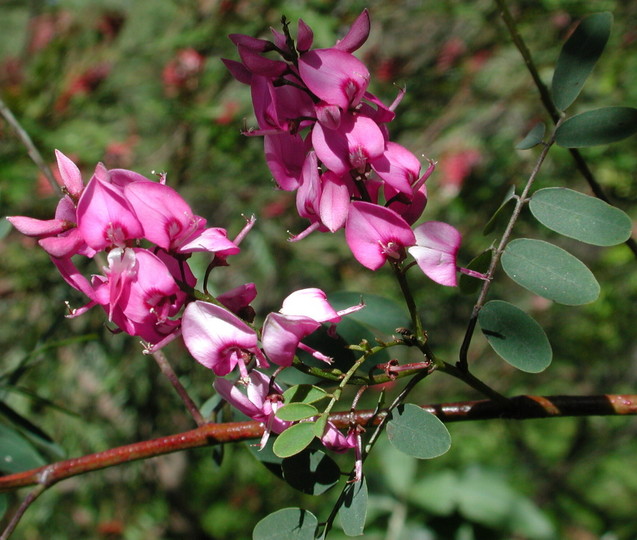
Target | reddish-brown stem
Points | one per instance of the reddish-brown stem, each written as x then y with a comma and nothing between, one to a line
519,408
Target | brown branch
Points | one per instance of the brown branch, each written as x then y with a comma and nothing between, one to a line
518,408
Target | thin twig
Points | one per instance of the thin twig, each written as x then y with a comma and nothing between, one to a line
550,107
17,516
28,143
462,363
170,374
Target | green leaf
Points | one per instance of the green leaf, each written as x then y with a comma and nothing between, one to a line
580,216
304,393
515,336
417,432
471,285
379,312
549,271
16,453
578,57
293,412
353,512
601,126
4,503
502,214
319,425
294,439
311,471
533,137
286,524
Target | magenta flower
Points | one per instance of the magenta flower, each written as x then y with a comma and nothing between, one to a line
313,303
140,294
219,340
334,76
104,216
437,245
59,236
357,141
285,155
356,35
260,402
169,222
282,335
375,234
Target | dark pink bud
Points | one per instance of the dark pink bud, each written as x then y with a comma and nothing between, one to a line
357,34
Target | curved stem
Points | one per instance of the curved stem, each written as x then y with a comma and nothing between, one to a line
34,153
497,253
518,408
550,107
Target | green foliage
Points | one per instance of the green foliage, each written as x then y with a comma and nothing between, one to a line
601,126
311,471
579,216
515,336
293,412
16,454
417,432
353,512
286,524
533,137
549,271
578,57
294,439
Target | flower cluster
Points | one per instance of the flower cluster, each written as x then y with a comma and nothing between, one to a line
326,136
222,341
140,287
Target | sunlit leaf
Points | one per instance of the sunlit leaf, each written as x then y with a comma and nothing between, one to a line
549,271
502,214
304,393
311,471
580,216
16,453
533,137
578,57
294,439
601,126
417,432
353,512
292,412
515,336
286,524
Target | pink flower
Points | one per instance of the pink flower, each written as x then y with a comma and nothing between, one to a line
285,155
301,314
357,141
375,234
218,339
169,222
437,245
282,335
334,76
59,236
140,294
260,402
104,216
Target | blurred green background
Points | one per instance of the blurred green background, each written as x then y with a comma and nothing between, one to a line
140,85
